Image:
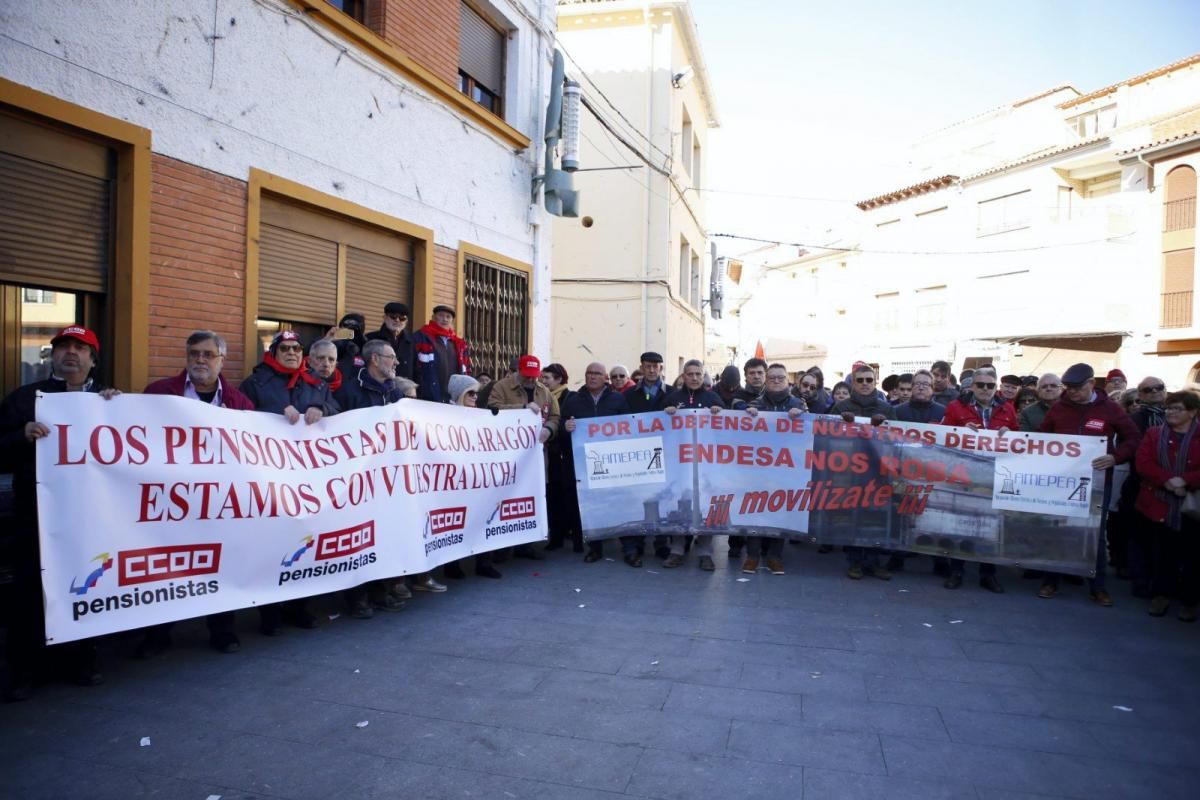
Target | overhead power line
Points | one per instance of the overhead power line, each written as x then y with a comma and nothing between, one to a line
831,249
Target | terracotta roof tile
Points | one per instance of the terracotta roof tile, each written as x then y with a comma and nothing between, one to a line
931,185
1136,79
1177,138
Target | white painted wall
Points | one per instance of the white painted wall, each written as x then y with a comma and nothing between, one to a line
277,92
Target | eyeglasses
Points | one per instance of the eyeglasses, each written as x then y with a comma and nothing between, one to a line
864,380
1150,389
396,317
616,376
290,348
922,385
472,393
203,355
385,357
982,385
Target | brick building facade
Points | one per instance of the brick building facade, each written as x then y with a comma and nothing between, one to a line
273,167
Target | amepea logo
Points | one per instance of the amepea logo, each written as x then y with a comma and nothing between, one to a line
296,556
164,563
93,577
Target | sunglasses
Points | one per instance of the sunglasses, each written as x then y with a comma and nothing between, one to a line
1149,389
864,380
472,393
982,385
290,348
614,375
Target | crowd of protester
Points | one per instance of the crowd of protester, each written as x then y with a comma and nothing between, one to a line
1152,463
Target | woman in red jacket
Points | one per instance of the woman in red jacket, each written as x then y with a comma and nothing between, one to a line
1168,461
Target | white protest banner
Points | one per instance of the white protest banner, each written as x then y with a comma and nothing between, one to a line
157,508
1019,498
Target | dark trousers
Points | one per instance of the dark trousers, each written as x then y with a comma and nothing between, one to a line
865,557
756,545
1118,539
1175,557
1139,550
1096,584
629,545
958,567
737,542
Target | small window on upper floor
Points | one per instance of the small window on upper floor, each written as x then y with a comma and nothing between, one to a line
481,59
1095,121
355,9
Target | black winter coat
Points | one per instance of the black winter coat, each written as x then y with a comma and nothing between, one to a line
406,355
639,399
686,398
920,412
269,392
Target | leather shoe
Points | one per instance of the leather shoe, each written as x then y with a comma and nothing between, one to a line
634,560
673,561
1101,598
952,581
990,583
1047,591
592,557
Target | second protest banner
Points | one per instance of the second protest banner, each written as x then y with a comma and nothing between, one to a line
1018,498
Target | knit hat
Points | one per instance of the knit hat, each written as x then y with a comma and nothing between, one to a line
459,385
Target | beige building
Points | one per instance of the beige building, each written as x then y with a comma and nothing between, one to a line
631,274
1055,229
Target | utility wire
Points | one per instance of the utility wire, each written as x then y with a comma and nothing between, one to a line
859,250
613,105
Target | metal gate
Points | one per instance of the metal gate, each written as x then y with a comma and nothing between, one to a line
496,310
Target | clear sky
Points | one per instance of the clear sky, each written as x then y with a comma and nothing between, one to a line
819,99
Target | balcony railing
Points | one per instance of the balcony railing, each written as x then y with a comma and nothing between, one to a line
1179,215
1176,310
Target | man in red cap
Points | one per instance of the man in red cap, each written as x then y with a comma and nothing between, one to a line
1115,381
522,389
74,353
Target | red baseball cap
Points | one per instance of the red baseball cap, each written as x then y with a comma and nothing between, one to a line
80,334
284,336
1115,373
529,366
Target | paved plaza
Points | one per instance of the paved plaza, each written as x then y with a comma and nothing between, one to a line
573,680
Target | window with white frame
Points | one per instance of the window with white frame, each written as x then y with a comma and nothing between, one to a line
1095,121
1008,212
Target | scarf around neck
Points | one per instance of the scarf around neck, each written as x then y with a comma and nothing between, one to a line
432,329
1174,502
294,375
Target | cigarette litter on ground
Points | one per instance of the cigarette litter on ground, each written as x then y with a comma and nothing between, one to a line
362,724
213,797
579,590
1123,708
902,590
332,617
654,663
743,580
607,559
926,624
583,605
652,572
145,742
956,622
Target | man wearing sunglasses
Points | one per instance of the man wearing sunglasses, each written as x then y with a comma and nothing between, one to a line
1083,411
982,409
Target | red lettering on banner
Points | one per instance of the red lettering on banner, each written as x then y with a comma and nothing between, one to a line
167,562
742,455
608,428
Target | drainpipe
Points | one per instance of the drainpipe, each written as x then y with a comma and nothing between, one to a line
646,249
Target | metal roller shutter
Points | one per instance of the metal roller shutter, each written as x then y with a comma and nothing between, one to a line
57,226
373,280
297,276
481,50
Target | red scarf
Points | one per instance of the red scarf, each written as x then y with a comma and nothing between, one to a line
335,380
432,329
296,374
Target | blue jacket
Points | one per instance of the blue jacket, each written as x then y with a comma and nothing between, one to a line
363,391
920,412
581,405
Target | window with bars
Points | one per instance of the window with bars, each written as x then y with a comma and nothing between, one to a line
495,315
481,59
